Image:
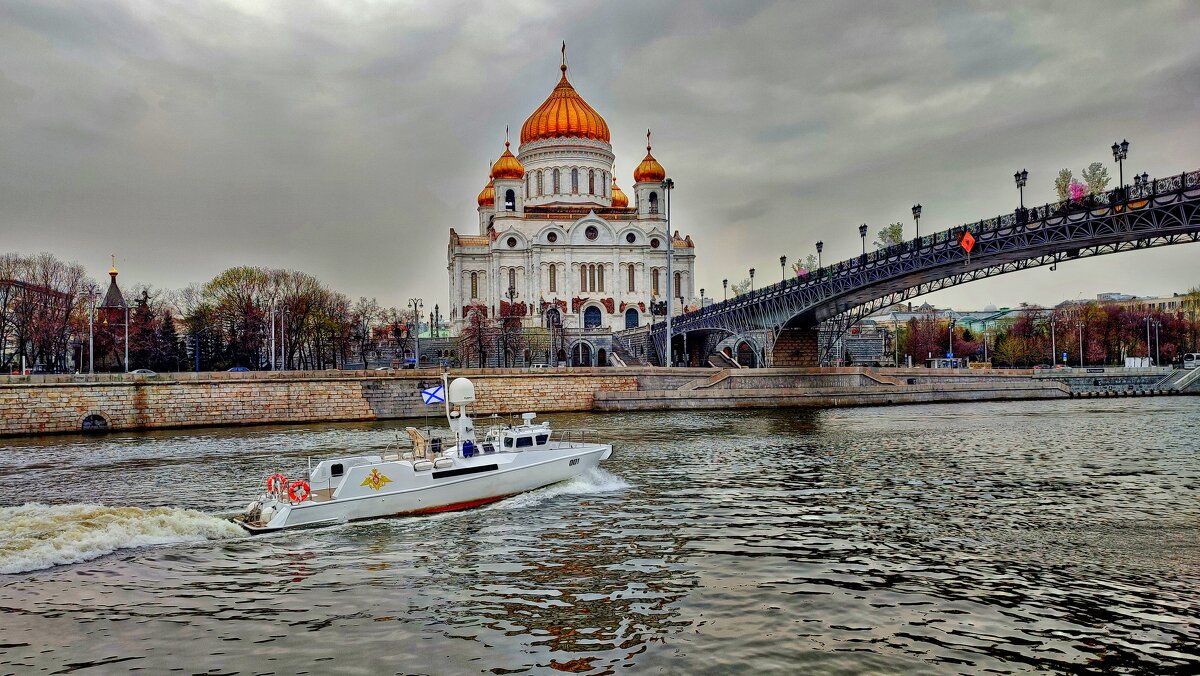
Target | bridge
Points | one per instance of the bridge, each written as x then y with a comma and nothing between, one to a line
1153,213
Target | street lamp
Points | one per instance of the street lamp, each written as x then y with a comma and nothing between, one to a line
751,280
820,248
91,293
1053,346
725,285
782,268
701,298
1157,344
667,186
416,304
917,218
862,232
1021,177
1120,152
952,321
1080,325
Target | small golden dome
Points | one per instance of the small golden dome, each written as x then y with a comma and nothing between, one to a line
487,196
564,113
508,166
649,169
618,197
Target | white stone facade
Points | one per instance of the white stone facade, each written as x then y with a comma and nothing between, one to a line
555,238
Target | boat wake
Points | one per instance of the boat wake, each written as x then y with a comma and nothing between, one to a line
593,481
36,536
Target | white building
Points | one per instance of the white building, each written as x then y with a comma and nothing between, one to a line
559,239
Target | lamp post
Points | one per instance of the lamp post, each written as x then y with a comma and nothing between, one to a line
283,352
751,280
1021,177
126,305
667,186
862,232
725,285
91,292
1053,346
437,319
701,298
416,305
1157,344
504,327
952,337
820,248
783,268
1120,152
917,218
1080,325
272,318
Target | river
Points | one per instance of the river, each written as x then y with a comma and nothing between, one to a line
1003,537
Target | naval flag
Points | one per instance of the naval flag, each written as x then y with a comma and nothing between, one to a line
434,395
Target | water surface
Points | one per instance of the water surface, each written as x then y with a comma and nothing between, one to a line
1001,537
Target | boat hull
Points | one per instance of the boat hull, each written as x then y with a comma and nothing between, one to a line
522,472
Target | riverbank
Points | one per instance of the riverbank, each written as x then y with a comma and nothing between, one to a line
66,404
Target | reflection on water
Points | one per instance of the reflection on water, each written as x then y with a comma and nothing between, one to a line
955,539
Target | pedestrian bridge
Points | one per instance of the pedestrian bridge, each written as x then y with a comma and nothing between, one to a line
1158,213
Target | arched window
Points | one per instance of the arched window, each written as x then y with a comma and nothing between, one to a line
591,318
541,187
654,282
654,203
631,318
512,278
604,184
678,290
591,181
528,185
600,277
510,200
474,285
583,278
630,286
592,277
553,278
556,182
574,181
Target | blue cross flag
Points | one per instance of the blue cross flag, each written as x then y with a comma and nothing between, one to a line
434,395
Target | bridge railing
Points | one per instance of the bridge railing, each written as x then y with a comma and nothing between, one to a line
1028,217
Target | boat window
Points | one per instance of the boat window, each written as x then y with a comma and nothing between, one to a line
508,442
336,469
522,442
542,438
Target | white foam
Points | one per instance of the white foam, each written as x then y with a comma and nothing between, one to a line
35,536
589,483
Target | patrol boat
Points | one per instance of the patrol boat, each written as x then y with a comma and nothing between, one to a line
425,477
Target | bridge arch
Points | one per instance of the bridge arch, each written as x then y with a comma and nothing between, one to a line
1160,213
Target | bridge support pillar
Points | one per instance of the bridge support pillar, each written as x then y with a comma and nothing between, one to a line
796,347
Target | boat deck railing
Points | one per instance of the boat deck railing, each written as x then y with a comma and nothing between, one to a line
570,438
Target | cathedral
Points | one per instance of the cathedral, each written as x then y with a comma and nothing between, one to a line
559,244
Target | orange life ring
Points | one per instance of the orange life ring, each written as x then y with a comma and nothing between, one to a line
299,486
276,483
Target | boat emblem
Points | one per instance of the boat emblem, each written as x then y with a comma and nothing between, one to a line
376,480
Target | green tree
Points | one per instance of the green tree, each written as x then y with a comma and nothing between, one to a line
889,235
1096,177
740,288
1062,184
805,266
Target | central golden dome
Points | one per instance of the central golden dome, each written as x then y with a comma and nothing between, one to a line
564,114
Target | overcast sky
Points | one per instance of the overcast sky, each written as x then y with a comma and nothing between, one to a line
345,138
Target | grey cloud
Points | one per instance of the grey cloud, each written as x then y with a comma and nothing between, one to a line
345,139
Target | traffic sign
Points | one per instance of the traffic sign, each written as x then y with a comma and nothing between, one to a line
967,242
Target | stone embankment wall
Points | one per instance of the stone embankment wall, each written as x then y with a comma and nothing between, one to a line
53,404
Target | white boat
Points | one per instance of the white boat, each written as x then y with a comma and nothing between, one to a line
425,477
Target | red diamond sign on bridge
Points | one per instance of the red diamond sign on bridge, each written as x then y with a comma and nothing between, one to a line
967,242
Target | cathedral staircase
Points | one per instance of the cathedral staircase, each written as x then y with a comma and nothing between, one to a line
622,352
723,361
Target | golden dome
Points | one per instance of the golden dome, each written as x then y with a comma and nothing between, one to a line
487,196
618,198
508,166
649,169
564,113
